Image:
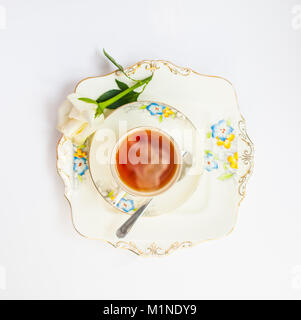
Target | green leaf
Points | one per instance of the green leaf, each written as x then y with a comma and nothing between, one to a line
225,176
228,122
111,103
121,85
108,95
130,97
88,100
113,61
161,118
208,135
98,112
143,107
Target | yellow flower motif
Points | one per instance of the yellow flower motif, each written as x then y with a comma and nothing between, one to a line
167,112
80,154
233,160
111,195
227,142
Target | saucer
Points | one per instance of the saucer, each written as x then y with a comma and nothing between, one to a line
211,211
145,114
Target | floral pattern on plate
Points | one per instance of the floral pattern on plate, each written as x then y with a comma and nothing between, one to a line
210,161
126,205
222,156
80,161
223,133
161,111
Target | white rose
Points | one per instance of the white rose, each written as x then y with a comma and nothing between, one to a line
76,119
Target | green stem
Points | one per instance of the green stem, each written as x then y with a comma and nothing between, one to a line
103,105
120,68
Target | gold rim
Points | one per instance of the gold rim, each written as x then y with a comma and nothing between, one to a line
247,157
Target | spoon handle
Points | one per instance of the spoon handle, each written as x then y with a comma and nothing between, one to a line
126,227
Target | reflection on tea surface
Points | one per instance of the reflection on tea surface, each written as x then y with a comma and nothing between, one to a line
146,160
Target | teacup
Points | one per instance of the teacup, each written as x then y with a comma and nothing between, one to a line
173,125
146,162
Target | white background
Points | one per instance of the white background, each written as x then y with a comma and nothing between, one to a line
48,46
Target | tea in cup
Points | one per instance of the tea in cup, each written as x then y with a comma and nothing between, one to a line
146,162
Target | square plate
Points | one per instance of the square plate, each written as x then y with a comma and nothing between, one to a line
210,102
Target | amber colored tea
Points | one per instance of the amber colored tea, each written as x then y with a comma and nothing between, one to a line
146,160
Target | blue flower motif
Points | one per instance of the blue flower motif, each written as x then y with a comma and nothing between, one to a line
80,165
210,162
154,109
221,130
126,205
